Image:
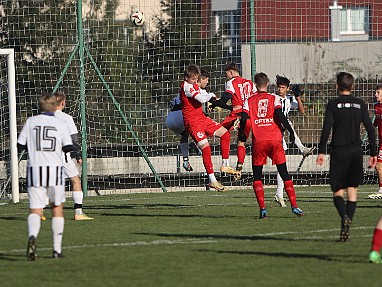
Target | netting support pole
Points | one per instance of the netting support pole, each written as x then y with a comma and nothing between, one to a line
157,177
81,50
253,50
63,73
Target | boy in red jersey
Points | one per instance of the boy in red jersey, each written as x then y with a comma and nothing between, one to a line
266,116
199,126
238,90
378,124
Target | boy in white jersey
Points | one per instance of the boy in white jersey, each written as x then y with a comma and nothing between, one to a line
289,102
70,168
45,137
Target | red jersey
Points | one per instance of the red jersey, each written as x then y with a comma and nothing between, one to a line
192,109
241,90
378,119
262,108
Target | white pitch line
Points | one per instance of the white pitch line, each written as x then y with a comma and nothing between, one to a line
206,240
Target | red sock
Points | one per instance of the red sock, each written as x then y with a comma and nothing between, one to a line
259,192
376,243
380,184
240,154
289,189
207,161
225,144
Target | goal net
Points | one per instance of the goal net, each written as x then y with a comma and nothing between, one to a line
119,78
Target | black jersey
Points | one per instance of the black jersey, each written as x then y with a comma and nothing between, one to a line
344,116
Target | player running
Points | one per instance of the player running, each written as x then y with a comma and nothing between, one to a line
238,90
200,126
266,116
45,137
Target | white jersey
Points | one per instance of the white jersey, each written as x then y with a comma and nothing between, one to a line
45,135
288,103
68,120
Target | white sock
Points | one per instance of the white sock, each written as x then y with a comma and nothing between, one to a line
212,177
225,162
380,189
78,197
34,224
57,231
280,187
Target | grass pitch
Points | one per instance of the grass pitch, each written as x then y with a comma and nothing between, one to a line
195,239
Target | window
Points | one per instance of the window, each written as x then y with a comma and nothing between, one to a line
354,20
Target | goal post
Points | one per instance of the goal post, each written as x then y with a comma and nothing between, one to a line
11,86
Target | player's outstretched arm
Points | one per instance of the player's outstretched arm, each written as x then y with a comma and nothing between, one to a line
284,121
222,102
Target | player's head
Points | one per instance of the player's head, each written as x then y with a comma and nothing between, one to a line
47,103
282,85
231,70
378,93
345,82
191,74
261,81
203,78
61,100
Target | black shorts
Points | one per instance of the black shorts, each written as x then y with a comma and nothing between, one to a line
346,167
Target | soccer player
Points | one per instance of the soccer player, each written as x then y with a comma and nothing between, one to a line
376,243
378,124
238,90
344,116
174,120
289,102
200,126
266,116
70,168
45,137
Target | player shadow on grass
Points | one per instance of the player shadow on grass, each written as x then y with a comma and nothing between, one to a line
12,257
291,255
234,237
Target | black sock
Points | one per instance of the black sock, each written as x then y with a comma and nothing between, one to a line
350,208
339,203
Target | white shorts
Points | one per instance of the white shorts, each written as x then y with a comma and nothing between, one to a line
38,195
70,168
174,122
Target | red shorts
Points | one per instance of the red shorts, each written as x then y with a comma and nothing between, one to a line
379,157
272,149
231,118
201,130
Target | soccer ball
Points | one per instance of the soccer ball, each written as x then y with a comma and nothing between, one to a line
137,18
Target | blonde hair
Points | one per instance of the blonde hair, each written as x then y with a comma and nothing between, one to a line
47,103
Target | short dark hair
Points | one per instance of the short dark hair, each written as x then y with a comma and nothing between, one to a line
261,80
378,87
231,66
204,73
280,80
191,70
345,81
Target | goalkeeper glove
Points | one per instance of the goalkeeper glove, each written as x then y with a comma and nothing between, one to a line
296,91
